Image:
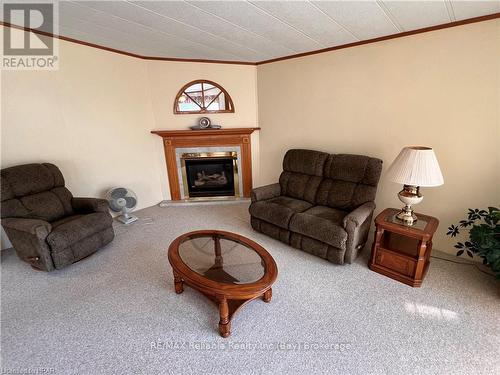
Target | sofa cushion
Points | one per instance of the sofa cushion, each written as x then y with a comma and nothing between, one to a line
64,220
278,211
305,162
72,231
13,208
271,230
34,191
29,179
302,174
65,197
299,186
318,248
321,223
353,168
349,181
83,248
45,206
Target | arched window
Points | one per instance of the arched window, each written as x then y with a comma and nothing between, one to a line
202,96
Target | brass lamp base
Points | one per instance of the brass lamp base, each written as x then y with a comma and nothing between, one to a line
407,216
410,195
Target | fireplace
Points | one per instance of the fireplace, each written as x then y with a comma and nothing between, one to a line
210,174
209,153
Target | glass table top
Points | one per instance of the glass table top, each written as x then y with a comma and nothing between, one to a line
420,224
222,259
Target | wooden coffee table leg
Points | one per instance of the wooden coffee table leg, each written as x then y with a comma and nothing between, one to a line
224,323
178,284
268,294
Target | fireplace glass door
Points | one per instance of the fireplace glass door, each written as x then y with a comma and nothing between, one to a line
210,176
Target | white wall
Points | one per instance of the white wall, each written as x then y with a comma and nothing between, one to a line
240,81
93,117
437,89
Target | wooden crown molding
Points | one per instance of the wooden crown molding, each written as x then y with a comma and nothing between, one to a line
386,37
288,57
109,49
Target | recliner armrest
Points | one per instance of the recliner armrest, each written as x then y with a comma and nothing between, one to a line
28,236
359,215
266,192
40,228
89,205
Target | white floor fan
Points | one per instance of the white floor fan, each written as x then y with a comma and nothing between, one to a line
122,200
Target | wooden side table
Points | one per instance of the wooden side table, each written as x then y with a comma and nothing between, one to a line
402,252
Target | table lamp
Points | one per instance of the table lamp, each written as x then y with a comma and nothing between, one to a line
415,166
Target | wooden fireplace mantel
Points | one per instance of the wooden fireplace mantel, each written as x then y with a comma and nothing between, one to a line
204,133
173,139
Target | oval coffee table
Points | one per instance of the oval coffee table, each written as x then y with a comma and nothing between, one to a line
229,269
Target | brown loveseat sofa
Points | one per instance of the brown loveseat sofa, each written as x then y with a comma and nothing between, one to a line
47,226
323,203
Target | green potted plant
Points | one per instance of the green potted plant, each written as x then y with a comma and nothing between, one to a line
483,236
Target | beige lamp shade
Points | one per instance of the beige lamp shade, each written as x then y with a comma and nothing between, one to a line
416,166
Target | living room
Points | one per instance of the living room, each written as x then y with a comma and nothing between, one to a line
246,150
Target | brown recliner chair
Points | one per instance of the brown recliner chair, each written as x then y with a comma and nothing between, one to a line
47,226
323,203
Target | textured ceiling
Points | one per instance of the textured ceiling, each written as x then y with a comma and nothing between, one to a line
250,30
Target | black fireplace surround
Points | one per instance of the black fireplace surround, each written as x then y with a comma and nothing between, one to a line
210,177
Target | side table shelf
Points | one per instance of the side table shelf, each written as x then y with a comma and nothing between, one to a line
402,252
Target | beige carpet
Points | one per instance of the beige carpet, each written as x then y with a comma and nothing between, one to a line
116,313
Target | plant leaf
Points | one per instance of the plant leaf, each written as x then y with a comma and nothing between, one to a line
452,231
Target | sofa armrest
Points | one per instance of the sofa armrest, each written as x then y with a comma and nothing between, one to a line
89,205
39,228
266,192
28,236
357,225
359,215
